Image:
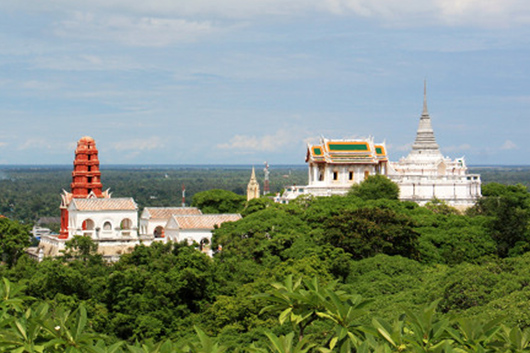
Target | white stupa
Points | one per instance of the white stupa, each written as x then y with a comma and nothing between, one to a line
425,174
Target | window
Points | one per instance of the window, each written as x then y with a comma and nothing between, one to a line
204,245
126,224
159,232
366,174
335,175
88,225
107,226
350,175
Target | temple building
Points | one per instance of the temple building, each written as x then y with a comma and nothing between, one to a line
425,174
253,187
335,165
89,211
113,222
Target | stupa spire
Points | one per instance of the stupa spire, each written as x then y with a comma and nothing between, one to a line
425,142
425,111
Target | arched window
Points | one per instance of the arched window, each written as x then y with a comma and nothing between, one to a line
204,245
87,224
126,224
107,226
159,232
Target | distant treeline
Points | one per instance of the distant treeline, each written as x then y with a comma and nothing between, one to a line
30,192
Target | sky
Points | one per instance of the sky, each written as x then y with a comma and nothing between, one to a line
242,82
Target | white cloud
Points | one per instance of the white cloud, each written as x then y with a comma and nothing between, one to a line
132,31
86,62
509,145
152,13
139,144
267,143
40,144
449,12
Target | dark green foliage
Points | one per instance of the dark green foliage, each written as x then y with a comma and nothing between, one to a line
369,231
258,204
218,201
14,239
375,187
453,239
509,209
80,247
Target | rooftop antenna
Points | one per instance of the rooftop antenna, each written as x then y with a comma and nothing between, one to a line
183,196
266,187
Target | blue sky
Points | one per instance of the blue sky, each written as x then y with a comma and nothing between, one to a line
240,82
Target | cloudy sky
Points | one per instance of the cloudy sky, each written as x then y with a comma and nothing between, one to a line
240,82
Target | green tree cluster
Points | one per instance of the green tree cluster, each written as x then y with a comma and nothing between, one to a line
366,262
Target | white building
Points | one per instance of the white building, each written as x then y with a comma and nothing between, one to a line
111,222
425,174
335,165
197,228
153,220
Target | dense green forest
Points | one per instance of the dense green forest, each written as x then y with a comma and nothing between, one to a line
363,272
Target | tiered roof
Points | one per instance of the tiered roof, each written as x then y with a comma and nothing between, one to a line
347,151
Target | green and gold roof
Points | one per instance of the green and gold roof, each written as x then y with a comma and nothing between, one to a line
347,151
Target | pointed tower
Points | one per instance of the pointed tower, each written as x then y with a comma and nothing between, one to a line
425,144
86,179
253,187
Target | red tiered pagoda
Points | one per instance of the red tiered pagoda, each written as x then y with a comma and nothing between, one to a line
86,179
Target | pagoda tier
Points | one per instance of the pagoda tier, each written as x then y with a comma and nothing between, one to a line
86,177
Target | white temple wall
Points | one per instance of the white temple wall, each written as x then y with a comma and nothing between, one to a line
342,176
106,224
148,226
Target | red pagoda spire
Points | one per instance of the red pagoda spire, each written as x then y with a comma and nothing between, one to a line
86,177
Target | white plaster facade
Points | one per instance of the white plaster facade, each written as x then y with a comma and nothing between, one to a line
111,222
153,220
197,228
